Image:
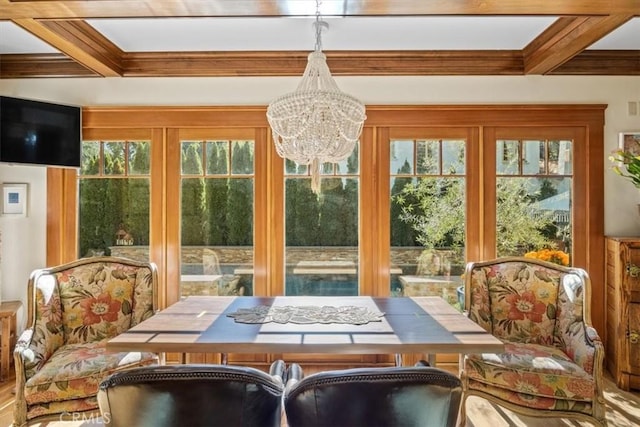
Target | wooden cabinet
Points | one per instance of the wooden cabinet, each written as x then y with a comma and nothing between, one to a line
8,310
622,336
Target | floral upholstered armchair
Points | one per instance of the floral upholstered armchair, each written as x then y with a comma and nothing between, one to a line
73,309
552,364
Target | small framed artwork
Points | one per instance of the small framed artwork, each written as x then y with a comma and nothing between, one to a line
630,142
14,199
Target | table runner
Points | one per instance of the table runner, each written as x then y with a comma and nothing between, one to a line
347,314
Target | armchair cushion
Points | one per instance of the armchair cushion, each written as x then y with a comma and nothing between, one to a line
533,369
76,370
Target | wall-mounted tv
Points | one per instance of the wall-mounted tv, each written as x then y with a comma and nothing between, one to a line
40,133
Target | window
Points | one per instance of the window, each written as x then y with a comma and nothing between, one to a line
427,216
216,209
114,198
321,231
534,195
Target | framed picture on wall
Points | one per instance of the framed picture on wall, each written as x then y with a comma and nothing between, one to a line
14,199
630,142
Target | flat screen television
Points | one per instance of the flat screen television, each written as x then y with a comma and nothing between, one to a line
40,133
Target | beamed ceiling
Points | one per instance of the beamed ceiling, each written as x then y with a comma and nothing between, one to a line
125,38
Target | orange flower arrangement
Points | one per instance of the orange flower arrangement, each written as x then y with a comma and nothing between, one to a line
550,255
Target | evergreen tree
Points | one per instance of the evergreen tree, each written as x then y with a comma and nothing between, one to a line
402,233
192,204
351,202
307,213
291,216
92,191
116,196
217,193
332,200
139,196
547,189
240,200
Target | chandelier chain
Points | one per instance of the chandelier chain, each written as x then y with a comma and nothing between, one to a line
318,28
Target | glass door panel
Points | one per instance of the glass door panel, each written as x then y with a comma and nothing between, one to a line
113,194
427,216
534,198
321,231
216,206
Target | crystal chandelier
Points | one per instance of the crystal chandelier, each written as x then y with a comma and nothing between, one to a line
317,123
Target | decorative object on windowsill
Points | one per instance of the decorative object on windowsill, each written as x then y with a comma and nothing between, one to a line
550,255
123,237
317,123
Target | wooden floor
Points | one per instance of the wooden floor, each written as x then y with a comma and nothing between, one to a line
623,410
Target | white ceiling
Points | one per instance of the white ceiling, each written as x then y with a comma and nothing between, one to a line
350,33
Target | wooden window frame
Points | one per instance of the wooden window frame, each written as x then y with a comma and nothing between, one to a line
481,124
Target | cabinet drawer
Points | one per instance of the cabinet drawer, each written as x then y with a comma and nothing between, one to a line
632,271
633,338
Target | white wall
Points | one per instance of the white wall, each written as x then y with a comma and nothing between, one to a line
23,238
23,241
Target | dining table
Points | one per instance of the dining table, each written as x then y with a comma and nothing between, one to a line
308,324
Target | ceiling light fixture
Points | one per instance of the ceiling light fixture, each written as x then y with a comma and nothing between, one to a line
317,123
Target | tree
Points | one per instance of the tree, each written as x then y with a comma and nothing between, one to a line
302,213
350,203
519,227
217,193
138,189
438,215
331,214
402,233
192,204
434,207
115,213
240,200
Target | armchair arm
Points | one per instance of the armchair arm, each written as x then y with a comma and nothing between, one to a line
22,356
30,353
583,344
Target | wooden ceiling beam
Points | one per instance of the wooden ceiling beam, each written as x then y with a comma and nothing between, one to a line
566,38
21,66
80,42
602,63
194,8
341,63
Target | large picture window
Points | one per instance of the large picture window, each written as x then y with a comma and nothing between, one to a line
427,190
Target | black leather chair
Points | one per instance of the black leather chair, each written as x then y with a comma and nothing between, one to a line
193,395
419,396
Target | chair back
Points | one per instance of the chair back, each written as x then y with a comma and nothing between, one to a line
393,397
191,395
527,300
86,300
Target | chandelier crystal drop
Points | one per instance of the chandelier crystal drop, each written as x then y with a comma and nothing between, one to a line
317,123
